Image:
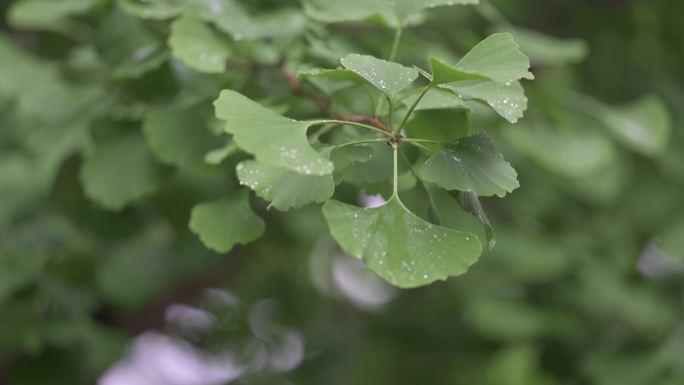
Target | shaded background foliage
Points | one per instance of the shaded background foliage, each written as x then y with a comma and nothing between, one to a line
584,286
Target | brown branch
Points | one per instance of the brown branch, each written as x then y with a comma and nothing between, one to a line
324,104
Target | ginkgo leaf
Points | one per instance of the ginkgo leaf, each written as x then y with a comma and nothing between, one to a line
435,99
643,126
497,57
549,50
389,77
570,152
178,137
283,188
473,164
200,48
471,203
153,9
119,171
395,13
331,80
508,100
273,139
232,18
223,223
46,14
399,246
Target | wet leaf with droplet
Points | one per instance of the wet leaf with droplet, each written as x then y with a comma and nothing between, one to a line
399,246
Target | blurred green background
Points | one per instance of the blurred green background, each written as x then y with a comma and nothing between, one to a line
584,285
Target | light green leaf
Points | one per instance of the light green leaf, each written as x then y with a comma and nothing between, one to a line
497,58
548,50
435,99
273,139
119,171
331,80
153,9
566,151
218,155
178,137
490,73
399,246
644,126
46,14
223,223
395,13
283,188
389,77
473,164
402,10
200,48
508,100
230,17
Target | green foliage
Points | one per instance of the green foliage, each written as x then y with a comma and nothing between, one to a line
326,153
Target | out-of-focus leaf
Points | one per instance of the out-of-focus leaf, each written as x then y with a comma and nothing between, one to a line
130,48
230,17
153,9
671,240
473,164
402,248
223,223
46,14
273,139
568,152
119,171
643,126
178,137
194,43
395,13
389,77
283,188
546,50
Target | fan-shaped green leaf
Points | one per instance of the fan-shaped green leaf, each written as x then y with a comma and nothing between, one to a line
194,43
153,9
399,246
496,57
389,77
549,50
331,80
230,17
508,100
223,223
119,171
565,151
178,137
46,14
473,164
395,13
273,139
471,203
283,188
643,126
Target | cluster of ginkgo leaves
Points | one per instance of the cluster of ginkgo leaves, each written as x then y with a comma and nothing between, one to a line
290,171
300,162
